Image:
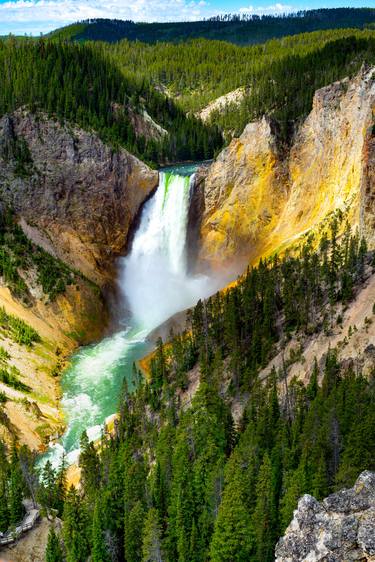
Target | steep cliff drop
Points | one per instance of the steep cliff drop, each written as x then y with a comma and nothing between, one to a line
155,284
261,195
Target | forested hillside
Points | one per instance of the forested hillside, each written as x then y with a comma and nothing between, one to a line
82,85
239,29
171,82
280,76
180,480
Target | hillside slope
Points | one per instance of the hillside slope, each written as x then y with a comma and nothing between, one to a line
241,30
258,199
84,86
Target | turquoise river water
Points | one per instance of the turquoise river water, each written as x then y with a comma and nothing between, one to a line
154,284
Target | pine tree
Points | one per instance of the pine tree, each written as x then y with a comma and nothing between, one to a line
54,551
294,487
264,516
4,510
89,464
99,551
76,528
4,475
151,542
133,533
16,509
232,536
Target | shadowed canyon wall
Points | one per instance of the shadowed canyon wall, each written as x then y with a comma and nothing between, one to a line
76,198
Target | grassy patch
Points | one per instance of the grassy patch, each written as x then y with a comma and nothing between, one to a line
18,330
11,378
4,355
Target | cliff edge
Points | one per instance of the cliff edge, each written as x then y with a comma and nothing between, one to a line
258,197
340,528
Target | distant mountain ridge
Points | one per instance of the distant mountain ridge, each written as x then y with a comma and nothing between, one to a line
241,30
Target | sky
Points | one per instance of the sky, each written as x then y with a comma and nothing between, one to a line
40,16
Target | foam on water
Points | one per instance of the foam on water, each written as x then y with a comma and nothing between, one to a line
155,284
154,277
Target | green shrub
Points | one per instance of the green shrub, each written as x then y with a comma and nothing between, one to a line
20,332
4,355
10,378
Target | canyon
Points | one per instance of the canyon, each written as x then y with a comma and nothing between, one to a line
136,245
80,200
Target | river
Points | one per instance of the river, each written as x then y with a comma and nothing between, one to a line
154,284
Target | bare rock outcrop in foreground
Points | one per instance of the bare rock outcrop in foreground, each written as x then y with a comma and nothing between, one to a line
340,528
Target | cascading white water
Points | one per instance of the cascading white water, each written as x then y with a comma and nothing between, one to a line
154,277
155,284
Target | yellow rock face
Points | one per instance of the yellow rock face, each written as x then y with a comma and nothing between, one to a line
258,200
77,316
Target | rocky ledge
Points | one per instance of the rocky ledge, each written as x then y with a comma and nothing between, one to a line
74,195
340,528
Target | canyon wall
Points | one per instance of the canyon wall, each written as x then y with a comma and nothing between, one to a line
259,196
76,198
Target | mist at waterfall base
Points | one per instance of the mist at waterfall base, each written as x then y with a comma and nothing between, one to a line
154,277
154,284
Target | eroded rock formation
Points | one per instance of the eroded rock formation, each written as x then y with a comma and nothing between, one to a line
340,528
76,196
259,198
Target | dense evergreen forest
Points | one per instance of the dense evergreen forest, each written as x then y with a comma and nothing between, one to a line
180,479
240,29
179,482
172,82
82,85
279,77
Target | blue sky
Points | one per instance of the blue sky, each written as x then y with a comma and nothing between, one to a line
36,16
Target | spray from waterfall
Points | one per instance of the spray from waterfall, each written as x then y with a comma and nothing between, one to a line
155,284
154,277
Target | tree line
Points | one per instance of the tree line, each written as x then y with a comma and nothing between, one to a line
241,29
182,481
81,84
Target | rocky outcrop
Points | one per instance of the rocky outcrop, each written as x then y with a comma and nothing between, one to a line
75,196
340,528
144,126
222,103
259,197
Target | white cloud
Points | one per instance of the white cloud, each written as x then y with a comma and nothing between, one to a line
34,16
272,9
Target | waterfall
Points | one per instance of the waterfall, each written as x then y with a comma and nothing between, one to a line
154,277
155,284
